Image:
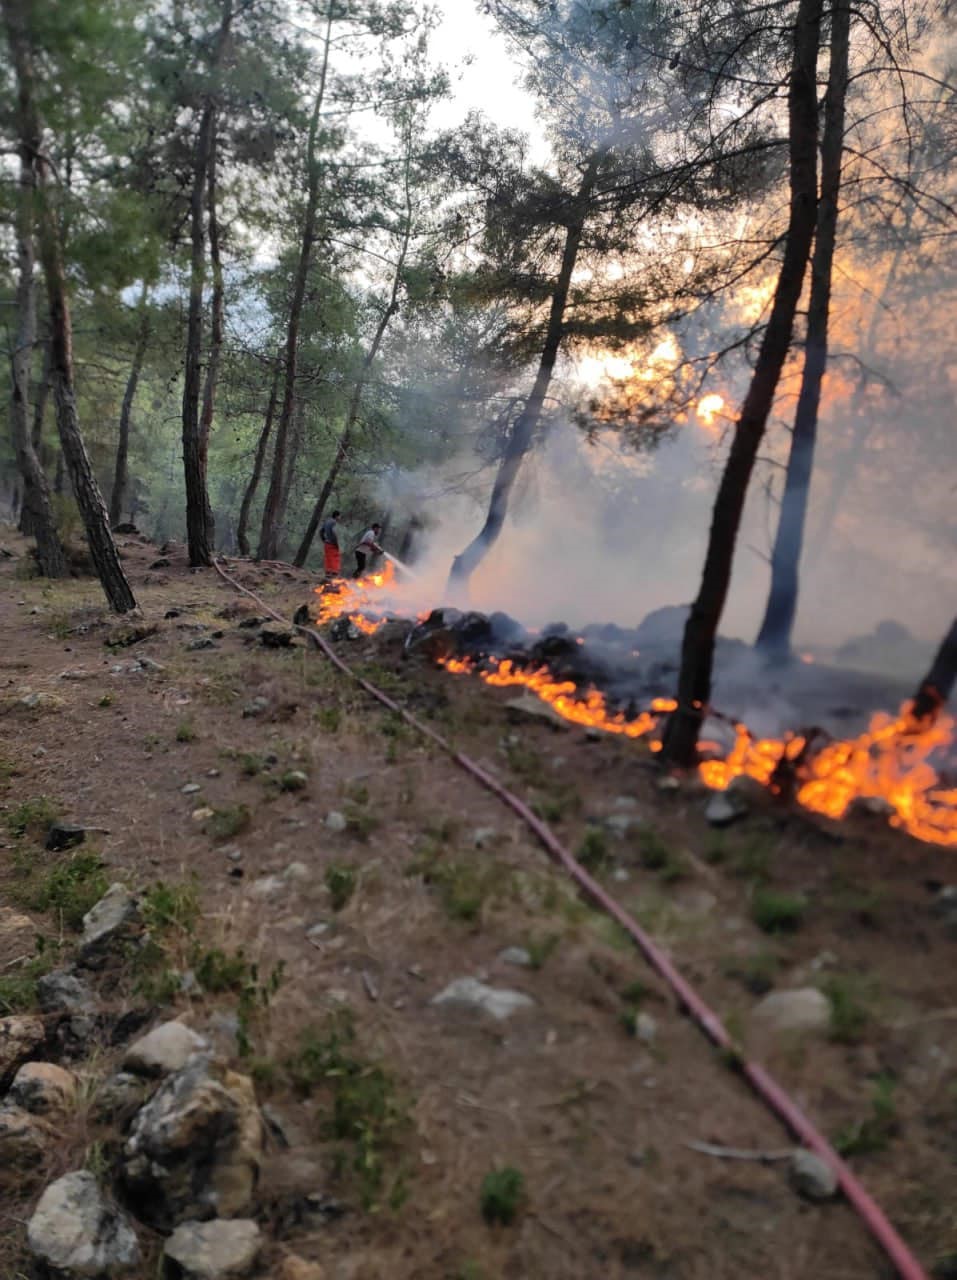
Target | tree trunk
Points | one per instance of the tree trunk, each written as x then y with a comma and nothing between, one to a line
36,516
121,471
697,650
27,523
296,441
199,530
938,684
519,442
215,354
273,508
774,637
243,522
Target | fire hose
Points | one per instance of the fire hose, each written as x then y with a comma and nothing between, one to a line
761,1081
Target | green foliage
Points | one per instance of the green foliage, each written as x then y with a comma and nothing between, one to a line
328,718
251,765
756,972
776,912
18,986
593,850
106,700
185,732
653,852
229,822
166,907
851,1014
69,888
360,821
501,1196
341,880
540,948
874,1131
33,817
293,780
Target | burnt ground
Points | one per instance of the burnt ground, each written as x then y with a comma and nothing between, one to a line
440,878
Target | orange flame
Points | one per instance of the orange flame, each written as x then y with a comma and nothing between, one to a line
353,599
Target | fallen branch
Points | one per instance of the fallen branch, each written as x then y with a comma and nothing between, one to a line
738,1153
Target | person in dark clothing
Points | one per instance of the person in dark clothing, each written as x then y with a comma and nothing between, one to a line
368,546
330,546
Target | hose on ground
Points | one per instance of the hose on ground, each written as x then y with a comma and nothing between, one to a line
761,1081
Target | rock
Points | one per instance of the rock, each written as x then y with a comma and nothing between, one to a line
63,992
646,1028
64,835
294,780
212,1250
119,1098
343,629
316,931
20,1036
619,824
77,673
294,1268
298,873
802,1010
723,808
165,1049
336,821
193,1150
259,706
75,1232
528,705
276,639
469,993
190,788
150,664
31,701
43,1089
24,1142
668,783
203,814
484,837
811,1177
17,937
267,887
114,919
162,562
517,956
201,642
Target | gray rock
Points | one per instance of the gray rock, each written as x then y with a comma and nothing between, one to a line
64,835
723,808
165,1049
43,1089
668,783
267,887
294,780
20,1035
201,642
119,1098
527,705
811,1177
623,803
190,788
63,992
336,821
483,837
25,1140
114,919
150,664
646,1028
193,1150
317,930
619,824
212,1250
343,629
469,993
298,873
257,707
803,1010
75,1232
517,956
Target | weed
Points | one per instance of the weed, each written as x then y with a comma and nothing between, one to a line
653,853
106,700
756,973
70,888
97,1160
32,817
549,809
171,906
716,849
874,1132
540,948
752,859
18,989
357,793
293,780
328,718
776,912
392,725
251,765
227,823
185,732
463,888
526,764
341,882
470,1270
218,971
501,1196
359,821
636,993
593,850
366,1112
851,1015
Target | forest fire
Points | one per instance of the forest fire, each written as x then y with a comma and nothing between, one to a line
888,766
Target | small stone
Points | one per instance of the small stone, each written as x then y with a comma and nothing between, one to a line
469,993
234,855
276,639
257,707
150,664
119,1098
293,1268
43,1089
75,1232
212,773
77,673
161,562
336,821
201,642
41,702
114,918
39,753
190,788
165,1049
619,824
874,806
722,809
64,835
484,837
646,1028
294,780
316,931
669,783
217,1250
203,814
17,938
624,803
802,1010
267,887
812,1177
20,1035
621,875
517,956
298,873
63,992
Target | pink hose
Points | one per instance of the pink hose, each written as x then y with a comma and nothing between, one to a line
760,1080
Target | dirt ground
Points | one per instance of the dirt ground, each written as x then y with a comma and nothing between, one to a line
439,878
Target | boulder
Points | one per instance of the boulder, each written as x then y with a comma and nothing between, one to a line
75,1232
64,835
44,1089
112,920
517,956
295,1268
723,808
17,937
469,993
63,992
193,1150
119,1098
527,705
24,1141
803,1010
165,1049
212,1250
811,1177
20,1036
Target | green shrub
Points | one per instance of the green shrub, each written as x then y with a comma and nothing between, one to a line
171,906
69,888
341,881
32,817
227,823
653,852
501,1196
875,1131
850,1012
593,850
776,912
185,732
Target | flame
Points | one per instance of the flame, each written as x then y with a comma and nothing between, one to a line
353,599
708,408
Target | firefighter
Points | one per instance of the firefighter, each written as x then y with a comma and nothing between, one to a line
368,545
330,546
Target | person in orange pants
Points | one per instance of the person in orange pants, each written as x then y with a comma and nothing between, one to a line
330,546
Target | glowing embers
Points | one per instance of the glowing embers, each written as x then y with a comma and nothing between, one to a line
355,599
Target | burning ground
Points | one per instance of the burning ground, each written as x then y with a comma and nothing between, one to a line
593,1090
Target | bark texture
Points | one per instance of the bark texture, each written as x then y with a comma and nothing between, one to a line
938,684
121,468
774,636
697,650
242,525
